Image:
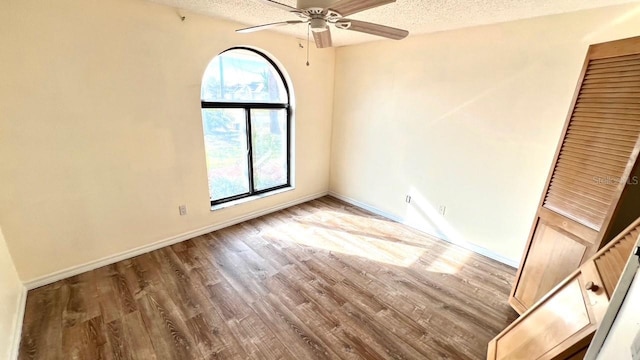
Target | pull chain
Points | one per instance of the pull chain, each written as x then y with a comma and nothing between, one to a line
308,36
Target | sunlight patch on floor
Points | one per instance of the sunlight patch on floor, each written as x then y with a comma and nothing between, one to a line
367,244
379,228
346,231
451,261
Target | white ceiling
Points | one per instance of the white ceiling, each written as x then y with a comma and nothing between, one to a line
417,16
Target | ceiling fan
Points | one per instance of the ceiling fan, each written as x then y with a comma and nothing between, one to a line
320,13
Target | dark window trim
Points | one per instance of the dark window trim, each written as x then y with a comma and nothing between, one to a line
248,106
239,105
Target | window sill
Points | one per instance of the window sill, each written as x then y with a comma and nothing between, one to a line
250,198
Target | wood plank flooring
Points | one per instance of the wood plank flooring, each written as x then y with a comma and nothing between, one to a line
321,280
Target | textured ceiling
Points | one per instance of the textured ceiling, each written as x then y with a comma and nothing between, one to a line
417,16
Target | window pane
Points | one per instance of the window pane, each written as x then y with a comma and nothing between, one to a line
225,141
269,144
242,76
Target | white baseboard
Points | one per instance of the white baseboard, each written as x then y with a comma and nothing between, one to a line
17,324
367,207
92,265
108,260
467,245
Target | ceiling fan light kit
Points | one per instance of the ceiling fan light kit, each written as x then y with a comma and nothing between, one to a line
318,25
319,14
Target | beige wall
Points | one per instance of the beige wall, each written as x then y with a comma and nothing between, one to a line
468,119
101,133
10,295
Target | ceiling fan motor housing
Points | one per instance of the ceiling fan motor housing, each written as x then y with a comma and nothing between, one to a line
318,25
306,4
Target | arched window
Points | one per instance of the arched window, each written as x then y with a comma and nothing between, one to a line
246,119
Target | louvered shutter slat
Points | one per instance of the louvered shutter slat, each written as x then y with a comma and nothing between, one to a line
615,59
604,158
610,84
570,188
589,145
614,67
613,74
611,80
616,62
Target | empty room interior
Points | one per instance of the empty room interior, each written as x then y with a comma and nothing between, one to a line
313,179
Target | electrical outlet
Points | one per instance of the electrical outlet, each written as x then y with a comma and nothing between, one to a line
182,209
408,199
442,210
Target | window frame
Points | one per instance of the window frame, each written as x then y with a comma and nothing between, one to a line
248,106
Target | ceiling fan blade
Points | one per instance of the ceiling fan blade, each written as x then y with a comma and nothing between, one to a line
349,7
373,29
269,26
281,6
323,39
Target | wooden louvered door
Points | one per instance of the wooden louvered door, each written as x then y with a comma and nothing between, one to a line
562,324
593,170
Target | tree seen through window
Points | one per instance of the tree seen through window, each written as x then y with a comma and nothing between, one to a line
246,122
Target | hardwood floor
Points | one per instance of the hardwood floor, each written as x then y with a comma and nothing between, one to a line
321,280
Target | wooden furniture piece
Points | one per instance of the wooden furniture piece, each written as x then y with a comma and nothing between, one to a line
562,323
589,195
